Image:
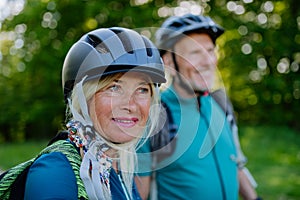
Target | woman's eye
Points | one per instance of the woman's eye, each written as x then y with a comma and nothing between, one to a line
144,90
114,88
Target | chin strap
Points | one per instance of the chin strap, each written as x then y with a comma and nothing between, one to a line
181,82
84,118
95,167
87,174
95,170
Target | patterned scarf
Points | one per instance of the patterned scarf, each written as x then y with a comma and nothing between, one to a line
96,165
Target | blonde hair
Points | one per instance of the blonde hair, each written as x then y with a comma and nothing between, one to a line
127,151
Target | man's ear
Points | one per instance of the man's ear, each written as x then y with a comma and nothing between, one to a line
169,64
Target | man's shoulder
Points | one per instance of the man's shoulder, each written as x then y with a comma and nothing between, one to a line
169,96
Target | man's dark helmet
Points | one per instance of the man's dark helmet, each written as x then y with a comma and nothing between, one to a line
107,51
176,26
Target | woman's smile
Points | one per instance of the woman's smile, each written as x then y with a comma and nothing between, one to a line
120,110
126,122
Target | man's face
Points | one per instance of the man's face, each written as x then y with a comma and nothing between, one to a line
196,59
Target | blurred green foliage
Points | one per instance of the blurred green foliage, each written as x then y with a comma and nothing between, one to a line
259,55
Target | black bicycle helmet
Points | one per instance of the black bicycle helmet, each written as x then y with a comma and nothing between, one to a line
176,26
111,50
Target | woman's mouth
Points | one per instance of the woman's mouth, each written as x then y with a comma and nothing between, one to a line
126,122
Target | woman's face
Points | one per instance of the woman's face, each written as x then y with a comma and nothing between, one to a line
120,110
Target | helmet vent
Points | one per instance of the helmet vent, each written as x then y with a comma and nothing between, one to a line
102,48
97,43
124,39
93,40
148,47
176,24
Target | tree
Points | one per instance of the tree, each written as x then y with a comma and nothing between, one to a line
259,55
262,50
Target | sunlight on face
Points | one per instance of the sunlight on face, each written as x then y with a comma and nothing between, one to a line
196,58
120,110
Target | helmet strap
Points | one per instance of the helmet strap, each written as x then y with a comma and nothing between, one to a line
84,118
181,82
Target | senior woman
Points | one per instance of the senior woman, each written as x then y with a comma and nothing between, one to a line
110,80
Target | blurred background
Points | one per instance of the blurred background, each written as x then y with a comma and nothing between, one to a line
259,57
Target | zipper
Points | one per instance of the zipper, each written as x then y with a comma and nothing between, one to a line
123,187
217,164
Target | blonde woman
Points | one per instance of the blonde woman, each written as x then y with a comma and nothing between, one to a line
110,79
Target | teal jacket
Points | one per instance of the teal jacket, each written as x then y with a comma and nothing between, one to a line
203,165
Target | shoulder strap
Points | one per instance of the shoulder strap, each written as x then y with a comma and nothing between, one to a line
163,143
222,99
8,181
74,158
166,134
12,184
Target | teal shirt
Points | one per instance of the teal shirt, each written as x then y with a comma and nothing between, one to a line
203,164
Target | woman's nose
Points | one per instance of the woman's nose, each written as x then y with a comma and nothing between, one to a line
128,102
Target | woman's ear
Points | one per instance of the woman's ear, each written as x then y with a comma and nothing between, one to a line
169,64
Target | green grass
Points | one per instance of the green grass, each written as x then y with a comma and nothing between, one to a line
14,153
273,158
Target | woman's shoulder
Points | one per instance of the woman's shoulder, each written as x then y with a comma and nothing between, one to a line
51,176
52,160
